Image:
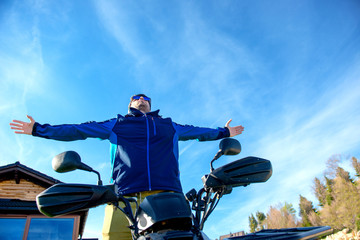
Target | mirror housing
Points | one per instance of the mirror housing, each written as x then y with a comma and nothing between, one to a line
227,146
69,161
230,146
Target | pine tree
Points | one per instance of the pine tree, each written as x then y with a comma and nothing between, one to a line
329,189
288,208
320,191
306,207
341,173
252,223
260,220
356,166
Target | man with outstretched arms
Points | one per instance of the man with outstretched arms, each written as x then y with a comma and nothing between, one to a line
144,151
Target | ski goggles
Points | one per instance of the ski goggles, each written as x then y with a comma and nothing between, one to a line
138,97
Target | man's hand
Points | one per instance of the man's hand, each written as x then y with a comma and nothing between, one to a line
234,130
23,127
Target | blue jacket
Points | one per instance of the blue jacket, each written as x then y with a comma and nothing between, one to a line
144,147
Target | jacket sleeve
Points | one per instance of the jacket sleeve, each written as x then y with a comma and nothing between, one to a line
187,132
72,132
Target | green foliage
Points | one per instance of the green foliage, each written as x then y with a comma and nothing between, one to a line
260,220
328,196
357,223
252,223
288,207
320,191
338,197
341,173
306,208
356,166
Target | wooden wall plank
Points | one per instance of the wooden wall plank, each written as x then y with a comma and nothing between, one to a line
25,190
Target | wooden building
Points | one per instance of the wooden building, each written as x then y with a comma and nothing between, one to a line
230,235
19,216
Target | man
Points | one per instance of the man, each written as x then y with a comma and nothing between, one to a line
144,151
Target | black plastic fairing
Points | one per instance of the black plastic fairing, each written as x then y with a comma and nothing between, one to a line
239,173
163,206
67,198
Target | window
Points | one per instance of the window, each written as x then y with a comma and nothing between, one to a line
51,228
12,228
38,227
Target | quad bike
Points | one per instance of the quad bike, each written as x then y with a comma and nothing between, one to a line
168,215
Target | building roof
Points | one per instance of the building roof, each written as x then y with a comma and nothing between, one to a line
19,171
17,206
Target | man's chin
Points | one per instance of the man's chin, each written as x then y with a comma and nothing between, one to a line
143,109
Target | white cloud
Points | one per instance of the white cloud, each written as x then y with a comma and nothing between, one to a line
22,74
119,22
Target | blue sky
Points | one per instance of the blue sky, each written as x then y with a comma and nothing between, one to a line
288,71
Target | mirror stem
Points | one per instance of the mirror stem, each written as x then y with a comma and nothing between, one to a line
99,178
218,154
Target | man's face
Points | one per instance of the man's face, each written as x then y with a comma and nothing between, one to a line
140,104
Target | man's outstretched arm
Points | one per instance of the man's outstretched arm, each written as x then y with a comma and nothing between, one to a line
187,132
65,132
21,127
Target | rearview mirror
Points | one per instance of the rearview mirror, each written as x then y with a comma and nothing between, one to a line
230,146
227,146
68,161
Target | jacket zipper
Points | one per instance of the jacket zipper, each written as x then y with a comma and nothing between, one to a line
147,151
154,125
